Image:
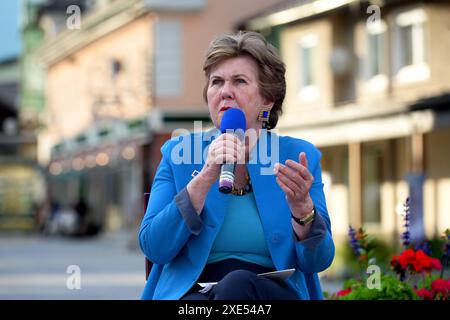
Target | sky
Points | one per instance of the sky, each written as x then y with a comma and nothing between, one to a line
10,45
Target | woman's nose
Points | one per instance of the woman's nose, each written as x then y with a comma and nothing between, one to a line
227,91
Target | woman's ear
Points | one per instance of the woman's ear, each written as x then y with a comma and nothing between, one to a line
268,106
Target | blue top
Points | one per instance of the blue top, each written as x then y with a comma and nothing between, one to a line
178,240
242,235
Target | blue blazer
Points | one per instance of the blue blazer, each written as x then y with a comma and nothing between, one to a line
178,241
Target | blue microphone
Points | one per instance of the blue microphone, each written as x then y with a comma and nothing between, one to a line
233,121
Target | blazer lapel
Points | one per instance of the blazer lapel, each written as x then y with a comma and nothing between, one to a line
216,202
269,197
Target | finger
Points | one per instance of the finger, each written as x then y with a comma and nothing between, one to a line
300,169
289,177
292,174
276,168
302,159
299,190
230,137
225,158
226,143
289,193
235,142
238,153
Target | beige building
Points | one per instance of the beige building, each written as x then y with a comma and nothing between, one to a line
369,85
119,80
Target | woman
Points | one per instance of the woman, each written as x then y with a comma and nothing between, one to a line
193,233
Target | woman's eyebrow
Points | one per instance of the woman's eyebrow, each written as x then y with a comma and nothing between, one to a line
215,77
240,75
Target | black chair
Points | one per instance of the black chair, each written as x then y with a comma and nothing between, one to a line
148,263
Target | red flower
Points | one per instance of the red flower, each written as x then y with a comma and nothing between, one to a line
440,286
421,261
394,261
435,264
407,257
425,294
416,261
342,293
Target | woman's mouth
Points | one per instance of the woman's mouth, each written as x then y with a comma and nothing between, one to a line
224,108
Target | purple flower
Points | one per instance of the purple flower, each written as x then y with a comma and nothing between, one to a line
425,247
405,236
354,243
447,242
446,249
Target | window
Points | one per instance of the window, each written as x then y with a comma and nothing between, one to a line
307,83
168,63
306,58
116,67
406,45
409,46
375,62
375,54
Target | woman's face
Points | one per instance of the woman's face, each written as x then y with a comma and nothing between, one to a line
234,83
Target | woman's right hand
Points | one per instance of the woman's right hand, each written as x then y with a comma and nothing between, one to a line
227,148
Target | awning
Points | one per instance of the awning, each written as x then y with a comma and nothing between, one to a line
378,128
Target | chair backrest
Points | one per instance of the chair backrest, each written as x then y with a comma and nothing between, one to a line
148,264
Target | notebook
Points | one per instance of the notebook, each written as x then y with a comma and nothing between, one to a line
276,275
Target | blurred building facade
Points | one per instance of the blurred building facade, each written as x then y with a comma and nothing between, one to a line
21,179
368,84
116,88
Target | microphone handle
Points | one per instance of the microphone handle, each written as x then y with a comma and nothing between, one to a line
226,180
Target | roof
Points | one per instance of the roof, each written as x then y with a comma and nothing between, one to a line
438,103
292,10
287,11
9,60
61,6
280,6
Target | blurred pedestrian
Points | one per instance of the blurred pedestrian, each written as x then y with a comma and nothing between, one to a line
81,208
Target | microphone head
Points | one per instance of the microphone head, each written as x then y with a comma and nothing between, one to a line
233,119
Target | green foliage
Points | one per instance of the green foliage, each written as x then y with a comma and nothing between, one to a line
413,278
378,252
425,282
436,245
391,289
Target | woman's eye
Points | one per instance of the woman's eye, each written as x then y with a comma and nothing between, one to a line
239,80
216,82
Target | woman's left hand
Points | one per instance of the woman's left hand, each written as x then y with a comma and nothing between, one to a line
295,180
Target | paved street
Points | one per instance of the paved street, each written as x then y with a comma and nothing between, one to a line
35,267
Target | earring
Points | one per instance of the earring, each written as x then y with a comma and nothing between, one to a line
264,115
